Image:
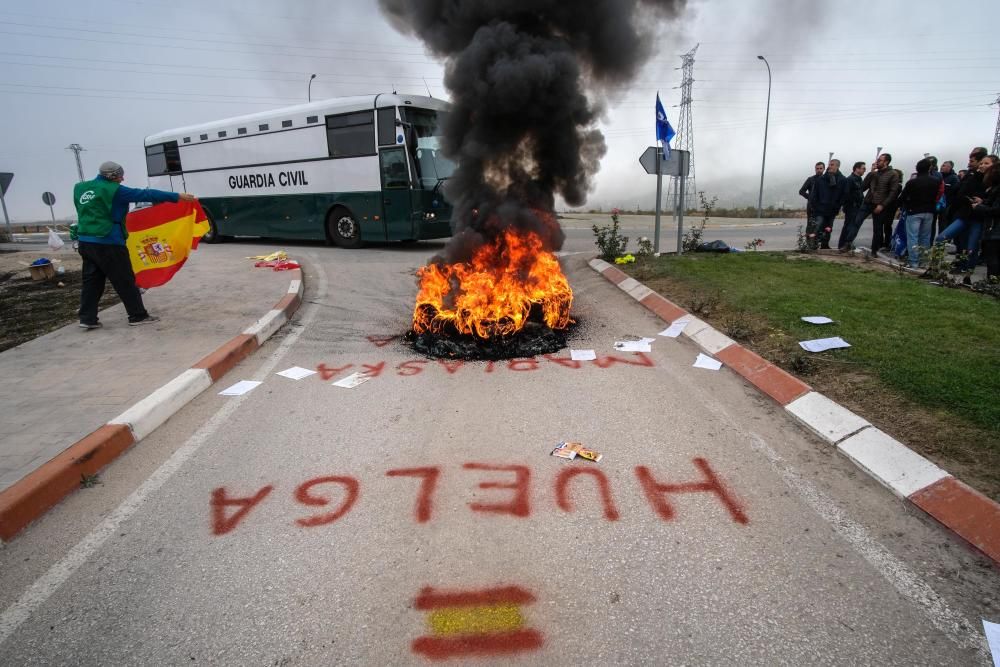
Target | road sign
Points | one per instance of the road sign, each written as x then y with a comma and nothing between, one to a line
49,199
5,178
672,166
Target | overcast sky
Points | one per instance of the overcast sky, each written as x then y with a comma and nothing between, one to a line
914,76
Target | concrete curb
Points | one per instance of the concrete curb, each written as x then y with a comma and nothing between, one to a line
40,490
959,508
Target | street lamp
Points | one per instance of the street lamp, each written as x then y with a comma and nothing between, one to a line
763,159
310,89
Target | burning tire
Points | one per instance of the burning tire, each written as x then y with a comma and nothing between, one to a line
343,229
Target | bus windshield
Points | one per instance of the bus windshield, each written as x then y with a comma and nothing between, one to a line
433,168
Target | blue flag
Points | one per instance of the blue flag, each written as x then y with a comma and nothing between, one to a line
664,132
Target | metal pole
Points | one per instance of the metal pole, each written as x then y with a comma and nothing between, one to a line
309,91
77,149
763,159
659,196
680,207
6,219
52,211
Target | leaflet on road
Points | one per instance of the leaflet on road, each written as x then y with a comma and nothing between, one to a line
675,329
633,346
296,373
993,639
707,362
352,380
582,355
817,319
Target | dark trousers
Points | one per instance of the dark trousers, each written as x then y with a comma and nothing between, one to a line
850,213
879,222
108,262
991,255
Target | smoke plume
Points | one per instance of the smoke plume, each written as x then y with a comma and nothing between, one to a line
527,80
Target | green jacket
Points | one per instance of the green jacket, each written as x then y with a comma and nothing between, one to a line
93,200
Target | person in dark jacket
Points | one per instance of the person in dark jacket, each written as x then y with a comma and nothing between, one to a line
882,185
919,198
965,231
949,180
987,210
855,196
807,186
101,207
827,197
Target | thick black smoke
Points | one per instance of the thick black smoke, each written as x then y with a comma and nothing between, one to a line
526,79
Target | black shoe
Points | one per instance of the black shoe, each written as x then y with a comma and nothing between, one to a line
825,247
967,280
149,319
90,325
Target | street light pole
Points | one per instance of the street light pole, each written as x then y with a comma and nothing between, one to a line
310,89
763,159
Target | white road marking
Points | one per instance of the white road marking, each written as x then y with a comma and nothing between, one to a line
46,585
895,571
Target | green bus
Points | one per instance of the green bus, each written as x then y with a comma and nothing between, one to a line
347,171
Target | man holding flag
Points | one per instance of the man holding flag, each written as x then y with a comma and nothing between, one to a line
664,132
101,206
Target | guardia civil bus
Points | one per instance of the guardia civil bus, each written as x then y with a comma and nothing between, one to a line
346,170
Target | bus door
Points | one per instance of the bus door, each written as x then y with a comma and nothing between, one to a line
396,212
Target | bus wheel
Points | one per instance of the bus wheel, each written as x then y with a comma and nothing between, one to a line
213,235
343,228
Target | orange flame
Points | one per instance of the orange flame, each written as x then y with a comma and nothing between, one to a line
493,294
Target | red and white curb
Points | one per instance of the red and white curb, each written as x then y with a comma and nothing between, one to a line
40,490
958,507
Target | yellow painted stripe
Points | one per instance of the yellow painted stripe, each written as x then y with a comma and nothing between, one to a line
475,620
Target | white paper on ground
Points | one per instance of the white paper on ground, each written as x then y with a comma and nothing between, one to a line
823,344
993,639
817,319
352,380
296,373
648,340
582,355
240,388
707,362
675,329
633,346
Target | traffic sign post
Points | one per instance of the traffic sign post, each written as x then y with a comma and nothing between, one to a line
5,178
50,199
676,164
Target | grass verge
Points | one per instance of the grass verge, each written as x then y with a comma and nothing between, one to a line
924,365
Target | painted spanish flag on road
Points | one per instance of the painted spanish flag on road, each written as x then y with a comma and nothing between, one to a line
161,237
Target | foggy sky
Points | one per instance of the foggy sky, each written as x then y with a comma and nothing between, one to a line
913,77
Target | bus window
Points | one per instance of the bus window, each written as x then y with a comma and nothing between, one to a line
163,159
394,174
351,134
433,168
387,126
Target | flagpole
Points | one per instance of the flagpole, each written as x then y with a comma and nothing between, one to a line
659,197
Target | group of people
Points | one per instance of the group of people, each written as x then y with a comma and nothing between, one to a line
938,204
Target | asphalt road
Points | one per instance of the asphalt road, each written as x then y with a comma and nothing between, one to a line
308,524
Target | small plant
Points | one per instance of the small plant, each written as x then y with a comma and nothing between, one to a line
754,245
692,237
609,241
800,364
739,326
802,241
990,286
703,304
89,481
645,247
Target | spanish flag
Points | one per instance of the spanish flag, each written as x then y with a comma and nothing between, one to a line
161,237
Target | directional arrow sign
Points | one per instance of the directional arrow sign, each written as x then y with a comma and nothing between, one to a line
672,166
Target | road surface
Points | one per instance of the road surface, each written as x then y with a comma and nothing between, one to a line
419,516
